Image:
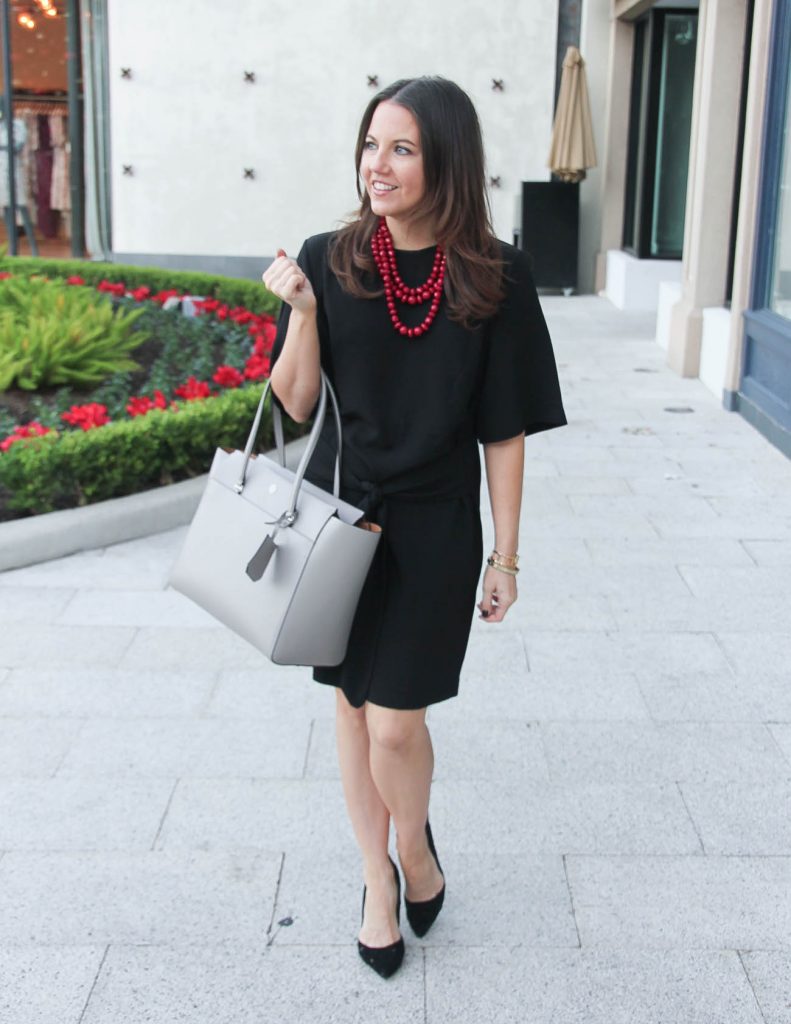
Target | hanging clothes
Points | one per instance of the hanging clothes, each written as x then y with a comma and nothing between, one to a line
60,196
45,217
20,137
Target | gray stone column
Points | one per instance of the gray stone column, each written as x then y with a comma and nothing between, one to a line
707,225
613,157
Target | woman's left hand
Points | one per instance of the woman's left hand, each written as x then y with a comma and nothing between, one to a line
499,593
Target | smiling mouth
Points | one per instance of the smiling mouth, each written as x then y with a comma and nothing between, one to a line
382,188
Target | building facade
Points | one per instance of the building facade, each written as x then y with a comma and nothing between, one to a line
215,135
693,196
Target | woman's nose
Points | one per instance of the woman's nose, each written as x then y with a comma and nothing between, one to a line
379,163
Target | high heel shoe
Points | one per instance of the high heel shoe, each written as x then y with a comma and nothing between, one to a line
421,914
385,960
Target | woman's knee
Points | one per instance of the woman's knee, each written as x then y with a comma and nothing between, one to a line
394,729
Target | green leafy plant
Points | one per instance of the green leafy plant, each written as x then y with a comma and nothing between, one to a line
53,334
74,468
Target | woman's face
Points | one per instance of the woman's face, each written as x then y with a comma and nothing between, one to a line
392,162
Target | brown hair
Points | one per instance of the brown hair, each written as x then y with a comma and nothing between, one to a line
455,197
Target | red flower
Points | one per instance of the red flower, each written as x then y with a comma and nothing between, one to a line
75,279
265,339
257,367
118,288
140,405
5,274
227,377
222,313
94,414
163,296
32,429
143,292
193,389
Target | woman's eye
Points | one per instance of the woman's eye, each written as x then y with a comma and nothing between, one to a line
403,149
368,145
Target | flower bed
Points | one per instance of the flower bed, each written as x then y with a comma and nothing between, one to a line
63,452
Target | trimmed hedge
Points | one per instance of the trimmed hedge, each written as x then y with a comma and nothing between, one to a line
78,467
234,291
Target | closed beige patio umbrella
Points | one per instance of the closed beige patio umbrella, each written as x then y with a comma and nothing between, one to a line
572,150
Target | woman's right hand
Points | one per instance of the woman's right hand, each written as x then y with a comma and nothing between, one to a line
286,279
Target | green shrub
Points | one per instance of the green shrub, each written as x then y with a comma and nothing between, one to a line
52,334
234,291
77,467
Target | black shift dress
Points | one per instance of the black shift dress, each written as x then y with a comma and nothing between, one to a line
413,412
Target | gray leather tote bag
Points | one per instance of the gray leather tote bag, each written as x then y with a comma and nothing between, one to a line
278,560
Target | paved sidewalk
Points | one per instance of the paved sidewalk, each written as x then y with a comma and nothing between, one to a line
612,787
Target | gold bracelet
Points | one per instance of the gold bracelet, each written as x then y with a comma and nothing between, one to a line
510,560
502,568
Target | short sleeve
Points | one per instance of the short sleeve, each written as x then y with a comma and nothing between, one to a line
303,261
519,389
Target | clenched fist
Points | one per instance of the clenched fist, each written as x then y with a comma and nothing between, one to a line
285,278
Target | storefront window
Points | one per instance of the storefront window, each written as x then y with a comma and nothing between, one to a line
679,37
780,278
663,73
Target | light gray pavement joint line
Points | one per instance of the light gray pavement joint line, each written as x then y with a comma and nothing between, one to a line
740,954
95,982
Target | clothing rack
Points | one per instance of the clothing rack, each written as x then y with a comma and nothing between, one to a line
36,103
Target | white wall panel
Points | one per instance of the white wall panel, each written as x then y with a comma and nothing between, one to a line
188,122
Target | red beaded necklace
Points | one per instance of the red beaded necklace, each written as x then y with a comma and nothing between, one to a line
384,256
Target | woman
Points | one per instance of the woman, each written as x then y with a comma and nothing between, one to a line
431,332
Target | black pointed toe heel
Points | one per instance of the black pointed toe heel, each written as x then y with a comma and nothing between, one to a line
421,914
385,960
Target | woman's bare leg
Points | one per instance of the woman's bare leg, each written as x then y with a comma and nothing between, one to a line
402,765
370,820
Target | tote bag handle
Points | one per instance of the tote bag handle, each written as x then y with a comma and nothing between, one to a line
291,514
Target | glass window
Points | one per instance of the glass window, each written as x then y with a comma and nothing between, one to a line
679,40
660,122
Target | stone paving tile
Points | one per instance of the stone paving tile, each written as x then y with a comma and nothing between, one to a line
184,648
741,818
561,817
252,984
662,752
588,986
101,568
769,552
502,900
287,693
43,604
46,984
622,651
546,696
611,553
714,697
135,608
682,902
41,646
81,814
770,976
35,747
262,814
758,652
187,747
180,898
106,693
